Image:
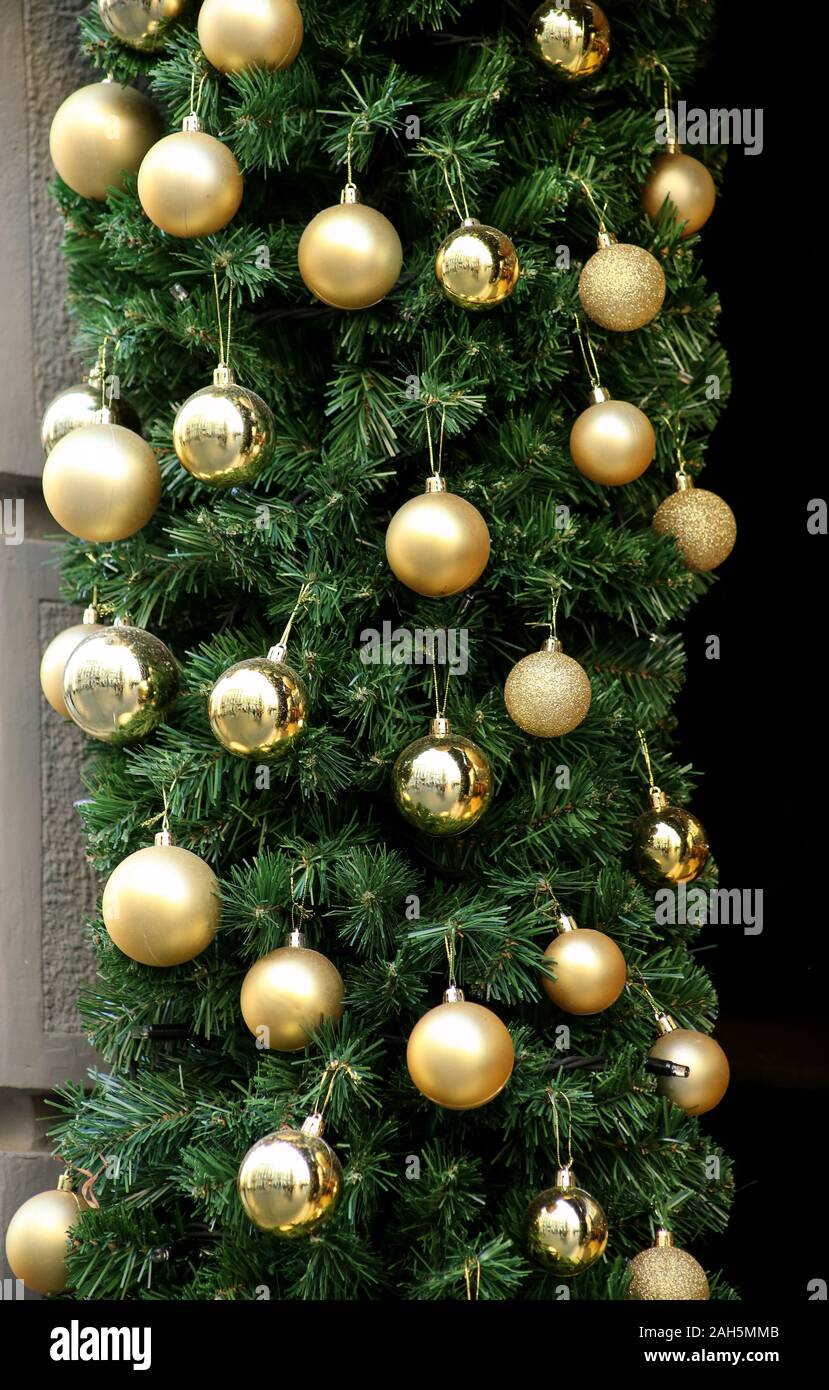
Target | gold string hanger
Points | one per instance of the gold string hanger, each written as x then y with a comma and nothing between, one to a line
551,1096
224,351
588,354
639,984
640,733
435,467
440,709
449,947
469,1265
680,458
194,108
600,212
302,599
445,156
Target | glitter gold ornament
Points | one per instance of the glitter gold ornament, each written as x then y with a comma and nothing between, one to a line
141,24
102,482
259,707
38,1235
291,1181
224,434
442,783
460,1055
477,266
288,993
571,38
79,405
119,684
708,1069
56,655
99,134
258,33
669,843
161,905
349,254
702,525
612,442
665,1272
688,187
547,693
437,543
189,183
590,969
565,1228
622,286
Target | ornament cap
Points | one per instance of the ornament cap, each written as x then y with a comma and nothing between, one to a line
297,940
684,483
565,1177
223,375
567,923
123,620
65,1183
164,838
350,194
435,483
103,416
313,1125
600,394
471,222
453,995
665,1023
439,727
552,644
278,652
658,799
605,239
90,614
191,125
663,1238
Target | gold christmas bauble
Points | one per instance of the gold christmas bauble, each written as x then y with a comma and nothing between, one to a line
460,1055
99,134
256,33
708,1074
665,1272
189,184
119,684
291,1181
349,254
54,659
442,783
547,693
669,844
590,970
102,482
78,405
289,993
38,1235
140,24
612,442
477,266
570,38
224,434
259,708
437,543
687,184
702,525
622,286
565,1227
161,905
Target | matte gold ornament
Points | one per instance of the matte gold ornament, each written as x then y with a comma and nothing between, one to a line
612,442
259,708
571,39
622,286
460,1055
477,266
161,905
708,1069
702,525
189,184
669,843
589,967
79,405
288,993
102,482
224,434
291,1181
141,24
687,185
38,1235
666,1272
119,684
565,1228
54,659
547,693
350,255
257,33
99,134
442,783
437,543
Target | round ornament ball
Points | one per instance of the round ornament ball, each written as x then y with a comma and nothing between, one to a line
437,543
224,434
547,693
38,1235
442,784
257,33
119,684
590,970
99,134
460,1055
54,659
570,38
702,525
161,905
79,405
141,24
102,482
688,187
259,708
289,993
350,255
665,1272
189,184
291,1181
565,1228
477,266
612,442
669,843
622,286
708,1069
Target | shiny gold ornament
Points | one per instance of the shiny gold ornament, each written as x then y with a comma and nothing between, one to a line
259,708
99,134
102,482
547,693
140,24
189,184
708,1069
612,442
289,993
666,1272
442,783
349,254
38,1235
119,684
460,1055
79,405
565,1227
477,266
161,905
589,967
257,33
56,655
702,525
571,39
224,434
669,843
622,286
291,1181
688,186
437,543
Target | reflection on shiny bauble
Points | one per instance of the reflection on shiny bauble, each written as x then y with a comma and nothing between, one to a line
612,442
102,482
701,523
287,995
54,659
258,708
119,684
290,1182
442,783
669,844
78,405
622,286
257,33
666,1272
437,543
100,133
565,1228
161,905
571,38
37,1238
708,1074
547,693
460,1055
189,184
477,266
590,970
224,434
350,255
140,24
686,182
